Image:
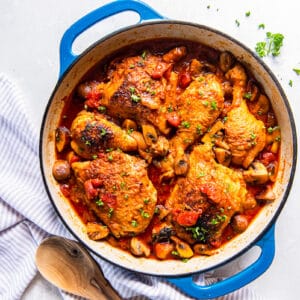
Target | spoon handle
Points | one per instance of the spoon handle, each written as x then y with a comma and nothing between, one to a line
68,265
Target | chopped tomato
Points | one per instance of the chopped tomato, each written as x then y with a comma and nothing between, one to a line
96,182
267,158
187,218
65,189
184,79
173,119
159,71
90,191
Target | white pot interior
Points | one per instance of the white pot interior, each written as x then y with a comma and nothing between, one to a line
199,34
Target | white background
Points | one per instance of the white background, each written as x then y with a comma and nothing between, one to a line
30,32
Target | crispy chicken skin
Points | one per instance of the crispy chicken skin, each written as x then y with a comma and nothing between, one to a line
93,133
210,190
245,135
117,188
198,107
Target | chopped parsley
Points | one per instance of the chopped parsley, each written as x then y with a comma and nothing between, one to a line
199,129
290,83
247,95
213,105
102,108
110,212
272,45
134,97
134,223
103,132
99,202
237,23
261,26
247,14
144,54
297,71
146,201
272,129
185,124
95,156
144,214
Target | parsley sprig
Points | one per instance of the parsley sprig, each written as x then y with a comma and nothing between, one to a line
272,45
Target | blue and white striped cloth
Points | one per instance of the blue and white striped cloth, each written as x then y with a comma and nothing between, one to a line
27,217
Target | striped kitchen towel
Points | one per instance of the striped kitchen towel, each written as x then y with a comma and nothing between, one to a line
27,216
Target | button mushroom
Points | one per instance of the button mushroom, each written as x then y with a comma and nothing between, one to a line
257,173
183,249
239,223
267,194
149,134
223,156
139,247
96,231
226,61
61,170
62,138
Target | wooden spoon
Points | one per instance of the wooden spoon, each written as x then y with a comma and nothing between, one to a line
69,266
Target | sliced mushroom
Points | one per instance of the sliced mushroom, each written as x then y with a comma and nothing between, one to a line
96,231
252,90
183,249
223,156
163,250
161,147
204,249
139,247
181,165
129,125
257,173
262,105
149,134
267,195
62,138
226,61
239,223
61,170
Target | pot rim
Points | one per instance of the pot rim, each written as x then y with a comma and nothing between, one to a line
265,67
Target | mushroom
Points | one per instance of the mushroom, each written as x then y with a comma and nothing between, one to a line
204,249
223,156
252,90
129,125
96,231
239,223
257,173
226,61
181,165
262,105
139,247
61,170
161,147
183,249
62,138
149,134
267,194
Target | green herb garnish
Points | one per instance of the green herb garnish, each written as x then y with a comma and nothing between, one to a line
272,45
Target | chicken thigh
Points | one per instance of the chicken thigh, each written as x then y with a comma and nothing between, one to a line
117,188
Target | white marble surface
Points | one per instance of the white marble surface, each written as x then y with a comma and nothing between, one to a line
31,30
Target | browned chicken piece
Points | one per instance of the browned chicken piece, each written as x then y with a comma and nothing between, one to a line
198,107
117,188
93,133
207,197
245,135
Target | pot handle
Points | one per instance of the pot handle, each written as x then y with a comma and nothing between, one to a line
235,282
67,56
